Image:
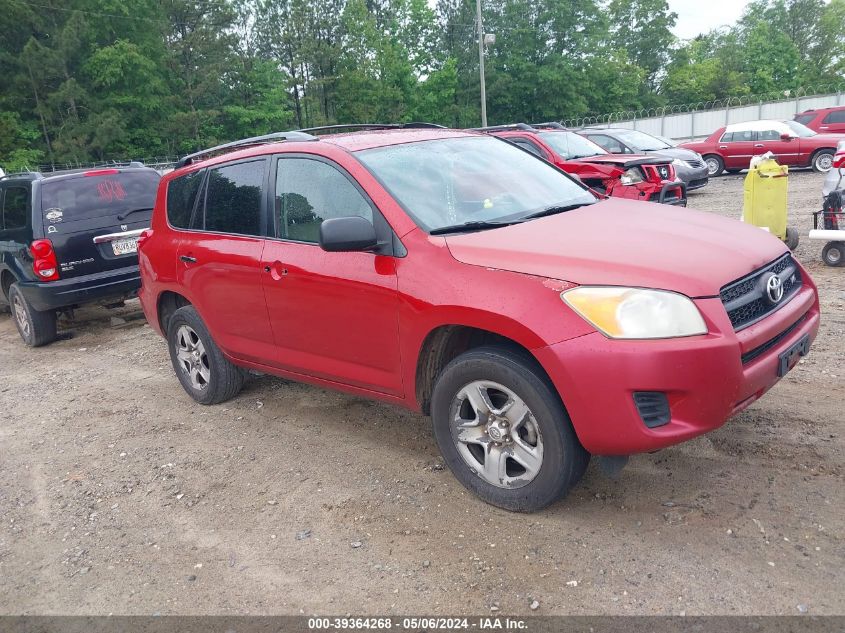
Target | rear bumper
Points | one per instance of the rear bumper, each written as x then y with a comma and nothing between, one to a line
704,378
64,293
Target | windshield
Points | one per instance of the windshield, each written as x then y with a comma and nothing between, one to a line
640,140
801,130
448,182
569,145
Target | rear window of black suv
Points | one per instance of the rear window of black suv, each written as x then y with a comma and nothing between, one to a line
89,196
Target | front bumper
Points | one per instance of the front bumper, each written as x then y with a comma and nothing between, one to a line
693,177
704,377
74,291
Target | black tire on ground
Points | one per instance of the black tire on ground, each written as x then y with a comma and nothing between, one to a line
221,380
733,171
563,460
715,165
792,238
833,254
36,328
822,160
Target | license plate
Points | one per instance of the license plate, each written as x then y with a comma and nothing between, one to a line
787,359
125,246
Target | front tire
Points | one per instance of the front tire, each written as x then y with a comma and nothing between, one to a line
792,238
833,254
35,327
823,161
203,371
503,430
715,165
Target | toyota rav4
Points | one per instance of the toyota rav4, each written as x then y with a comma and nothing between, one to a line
457,275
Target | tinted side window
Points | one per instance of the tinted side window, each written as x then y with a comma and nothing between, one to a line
310,191
233,198
181,197
768,135
837,116
15,203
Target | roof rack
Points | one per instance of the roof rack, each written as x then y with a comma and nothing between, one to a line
47,171
275,137
371,126
550,124
510,126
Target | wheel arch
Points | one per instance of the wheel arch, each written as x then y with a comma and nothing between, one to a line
168,303
446,342
7,278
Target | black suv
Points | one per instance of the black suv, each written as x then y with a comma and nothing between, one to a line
69,238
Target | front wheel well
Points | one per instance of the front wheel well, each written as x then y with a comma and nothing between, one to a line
447,342
168,303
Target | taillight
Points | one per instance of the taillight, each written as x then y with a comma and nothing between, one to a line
144,236
44,261
102,172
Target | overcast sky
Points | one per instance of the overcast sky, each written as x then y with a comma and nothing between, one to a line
700,16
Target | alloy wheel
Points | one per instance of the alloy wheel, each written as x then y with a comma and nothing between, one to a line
496,434
21,316
824,162
192,357
712,166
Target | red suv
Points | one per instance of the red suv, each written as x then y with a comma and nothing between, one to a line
633,176
824,120
452,273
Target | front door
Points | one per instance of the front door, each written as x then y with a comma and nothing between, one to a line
333,315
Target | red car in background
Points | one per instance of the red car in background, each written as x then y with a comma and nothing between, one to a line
824,120
731,148
631,176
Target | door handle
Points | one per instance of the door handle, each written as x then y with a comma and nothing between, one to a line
188,259
277,270
759,145
723,147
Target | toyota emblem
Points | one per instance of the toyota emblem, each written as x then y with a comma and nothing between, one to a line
774,289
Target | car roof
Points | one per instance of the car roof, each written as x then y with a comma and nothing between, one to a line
369,139
758,126
820,110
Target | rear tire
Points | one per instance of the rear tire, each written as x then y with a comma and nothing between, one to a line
715,165
205,374
792,238
833,254
35,327
822,161
538,457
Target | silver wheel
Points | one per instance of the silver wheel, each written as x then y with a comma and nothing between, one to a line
496,434
823,162
20,316
714,167
192,357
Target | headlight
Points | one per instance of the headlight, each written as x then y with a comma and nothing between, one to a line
680,163
632,176
636,313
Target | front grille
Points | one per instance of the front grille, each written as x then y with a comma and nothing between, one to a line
746,300
694,162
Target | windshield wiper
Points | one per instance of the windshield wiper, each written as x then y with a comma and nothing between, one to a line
560,208
475,225
123,216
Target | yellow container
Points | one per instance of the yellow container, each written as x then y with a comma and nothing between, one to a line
765,197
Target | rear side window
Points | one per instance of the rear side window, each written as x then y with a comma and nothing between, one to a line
181,198
15,203
233,198
743,136
95,196
837,116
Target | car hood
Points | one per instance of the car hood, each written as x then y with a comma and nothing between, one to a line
676,152
623,243
622,160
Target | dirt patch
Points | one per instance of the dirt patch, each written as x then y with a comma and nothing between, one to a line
119,495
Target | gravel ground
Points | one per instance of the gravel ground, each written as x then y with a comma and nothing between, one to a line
119,495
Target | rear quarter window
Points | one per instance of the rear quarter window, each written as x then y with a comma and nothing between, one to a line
86,197
15,208
182,197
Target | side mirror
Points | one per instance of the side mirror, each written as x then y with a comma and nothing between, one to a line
786,136
347,234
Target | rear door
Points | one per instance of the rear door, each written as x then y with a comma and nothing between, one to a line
219,258
93,218
738,148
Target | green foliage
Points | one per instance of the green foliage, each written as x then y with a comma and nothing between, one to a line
100,79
